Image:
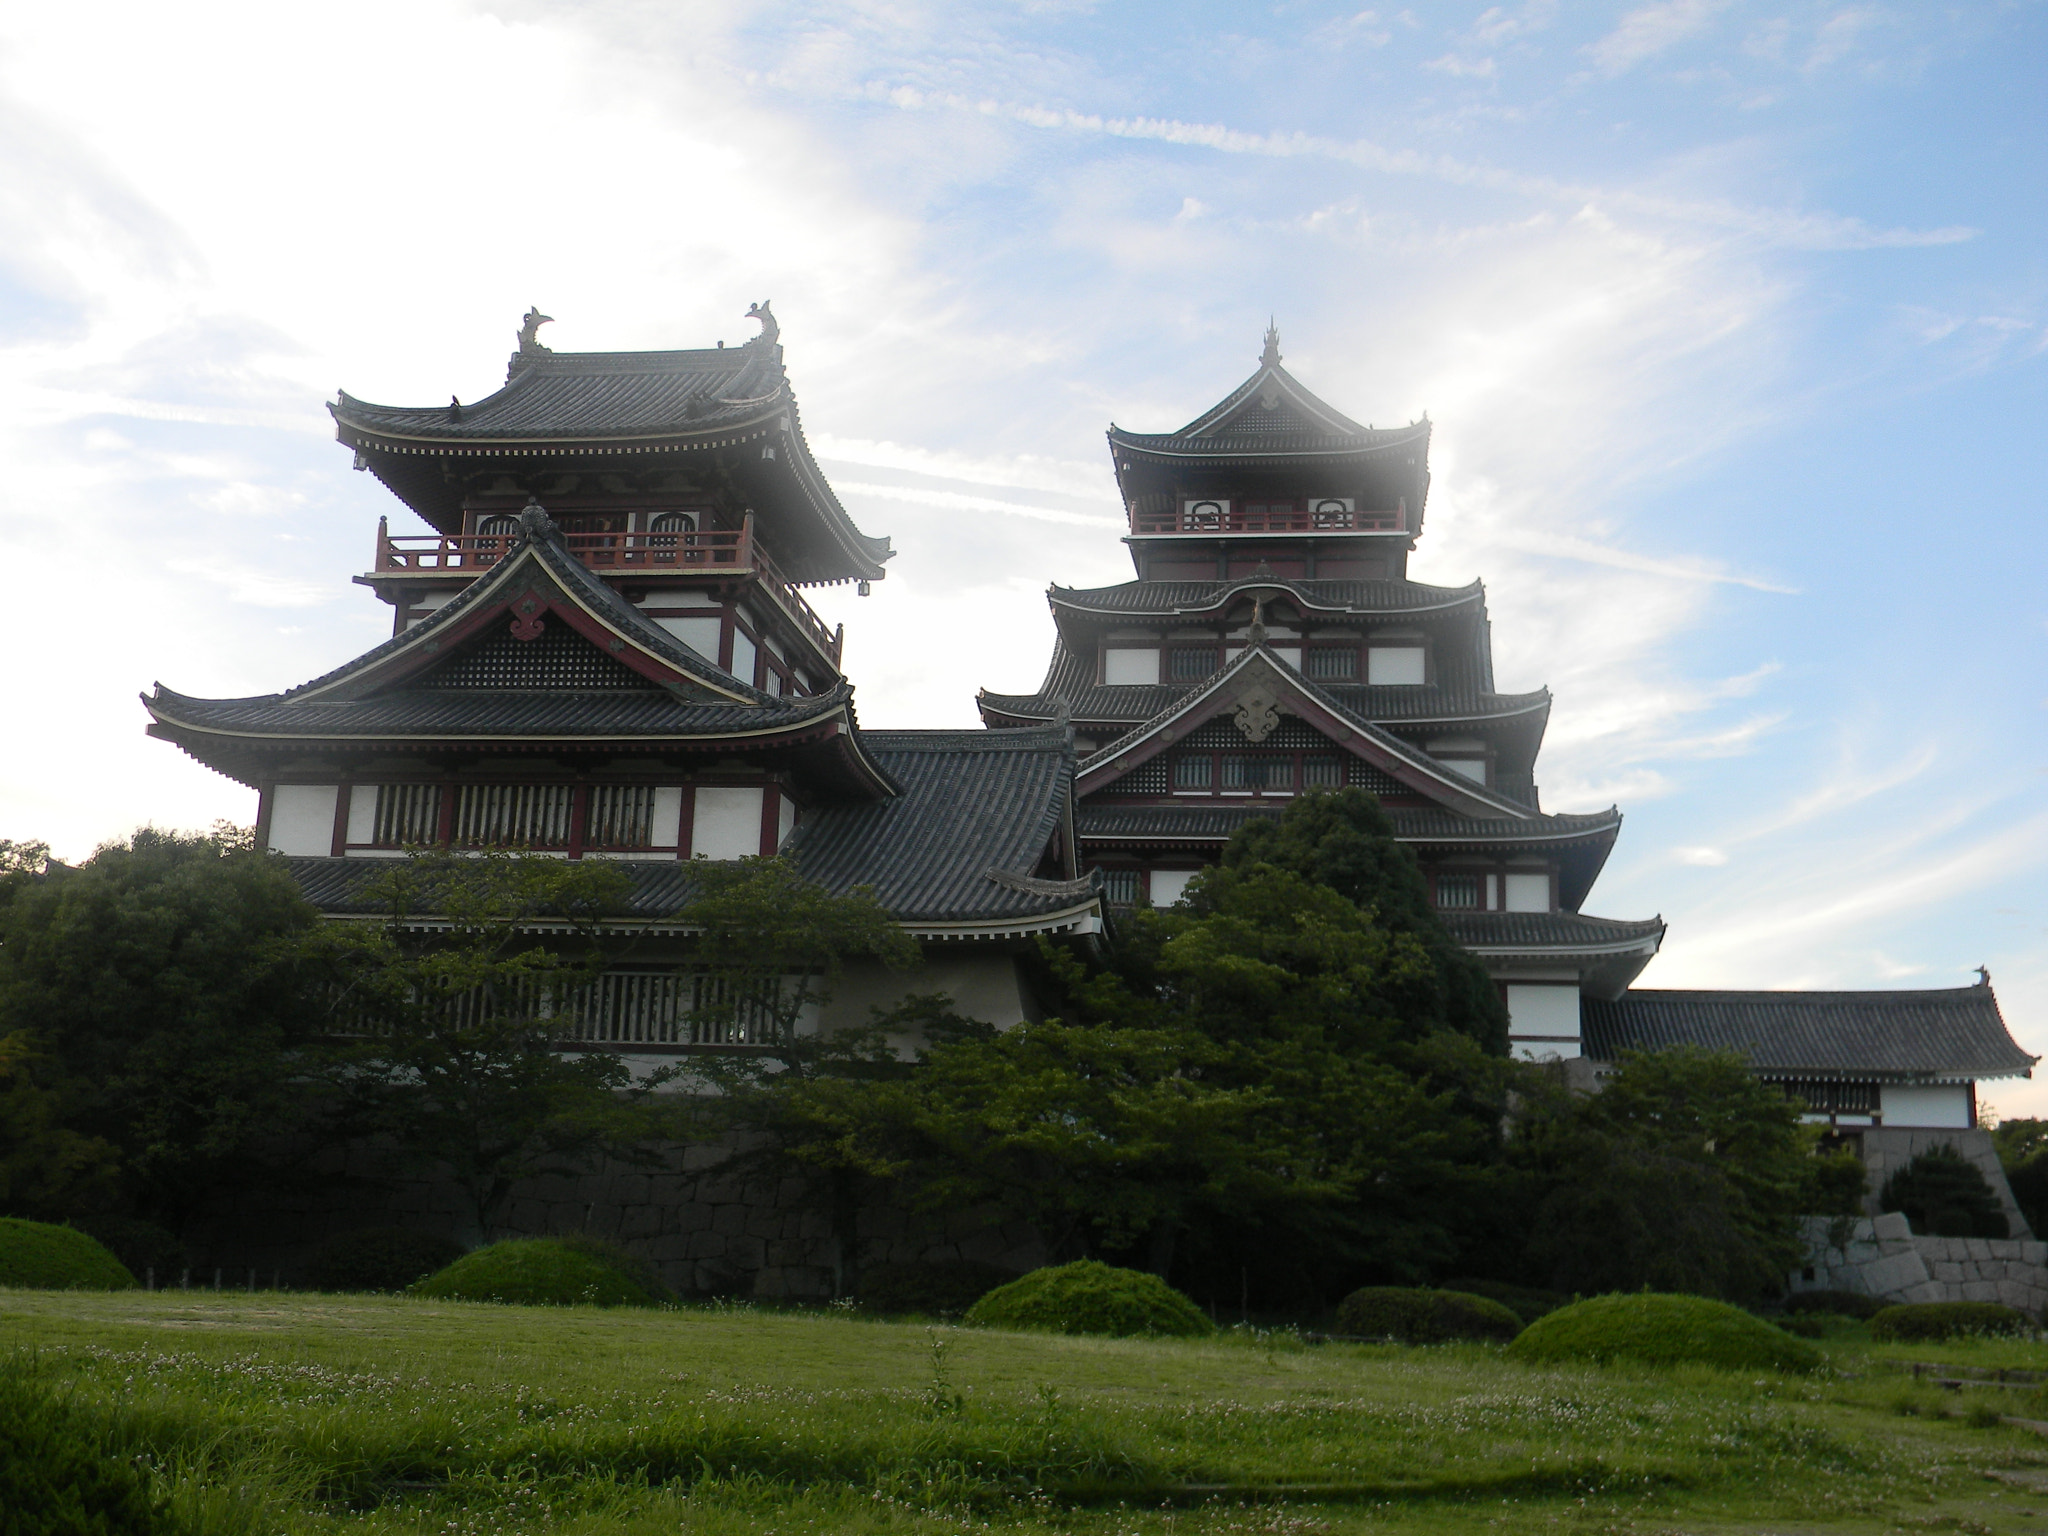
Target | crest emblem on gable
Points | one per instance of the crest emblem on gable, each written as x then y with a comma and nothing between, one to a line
1258,712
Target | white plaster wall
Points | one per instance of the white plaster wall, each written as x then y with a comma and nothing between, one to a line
1130,665
302,818
1169,885
1543,1021
1387,664
1527,893
726,823
1942,1106
983,983
700,635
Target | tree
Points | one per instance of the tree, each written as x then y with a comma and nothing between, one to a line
1683,1173
1944,1194
769,948
47,1171
1273,1078
166,1010
453,1014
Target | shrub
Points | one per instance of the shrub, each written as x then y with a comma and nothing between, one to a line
1932,1321
1944,1194
636,1267
537,1272
1415,1316
38,1256
141,1245
941,1290
1652,1329
56,1478
1525,1301
1841,1303
1088,1297
379,1259
1805,1325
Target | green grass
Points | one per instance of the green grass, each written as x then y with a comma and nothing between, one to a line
344,1415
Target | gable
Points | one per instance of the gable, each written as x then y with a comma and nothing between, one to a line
558,658
1326,764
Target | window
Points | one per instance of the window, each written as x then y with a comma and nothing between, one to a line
1394,665
1191,771
407,813
1120,887
727,823
514,815
1334,664
620,816
743,654
302,818
669,529
1322,772
1458,893
1169,885
1527,892
1245,770
1190,663
1473,768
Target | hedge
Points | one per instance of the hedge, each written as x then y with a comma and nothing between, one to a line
1652,1329
38,1256
1932,1321
1413,1316
1087,1297
541,1272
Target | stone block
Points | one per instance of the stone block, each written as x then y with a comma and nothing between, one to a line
697,1159
783,1251
641,1221
792,1191
1980,1247
2035,1254
1890,1227
2005,1247
707,1245
669,1249
1980,1290
693,1217
1947,1272
759,1191
1860,1253
721,1191
729,1220
1893,1274
2013,1294
1927,1290
745,1252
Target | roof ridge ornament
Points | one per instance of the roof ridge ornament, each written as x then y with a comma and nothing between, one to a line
770,328
534,522
529,341
1270,357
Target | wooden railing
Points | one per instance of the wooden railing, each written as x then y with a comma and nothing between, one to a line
725,554
1222,516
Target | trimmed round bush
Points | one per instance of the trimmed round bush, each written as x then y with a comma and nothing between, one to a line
1411,1315
379,1259
1087,1297
1651,1329
1525,1301
1805,1325
538,1272
1931,1321
1840,1303
1944,1194
56,1476
37,1256
940,1290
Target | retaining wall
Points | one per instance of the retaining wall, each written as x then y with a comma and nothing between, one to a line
1882,1257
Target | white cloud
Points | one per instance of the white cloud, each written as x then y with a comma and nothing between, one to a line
1653,29
1709,858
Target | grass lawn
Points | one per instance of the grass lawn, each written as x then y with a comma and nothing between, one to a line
291,1413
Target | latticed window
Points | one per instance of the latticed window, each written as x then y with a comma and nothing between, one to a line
1458,893
1191,771
1148,778
407,814
1120,887
1331,663
514,815
558,658
1189,663
620,816
1360,774
1834,1098
1246,770
1322,771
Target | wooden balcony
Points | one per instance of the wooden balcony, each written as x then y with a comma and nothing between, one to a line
1220,516
724,555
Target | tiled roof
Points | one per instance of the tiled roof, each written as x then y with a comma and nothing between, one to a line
1285,417
1538,931
435,712
972,801
1954,1034
959,844
1194,821
582,395
1131,703
1350,597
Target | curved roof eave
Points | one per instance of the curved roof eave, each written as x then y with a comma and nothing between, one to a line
1450,598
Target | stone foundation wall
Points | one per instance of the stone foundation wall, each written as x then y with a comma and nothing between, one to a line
1882,1257
1888,1148
709,1228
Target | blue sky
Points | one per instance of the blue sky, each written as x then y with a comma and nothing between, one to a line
1733,319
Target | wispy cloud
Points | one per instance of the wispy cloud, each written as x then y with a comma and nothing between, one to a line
1653,29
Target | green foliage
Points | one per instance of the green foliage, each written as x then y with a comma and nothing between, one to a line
1526,1302
166,1009
1930,1322
1091,1298
457,1057
1278,1086
1804,1325
2029,1185
57,1477
38,1256
2019,1141
379,1259
46,1168
1651,1329
1410,1315
1944,1194
141,1245
1683,1173
936,1290
1836,1303
538,1272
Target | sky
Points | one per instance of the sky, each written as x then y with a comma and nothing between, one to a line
1732,318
